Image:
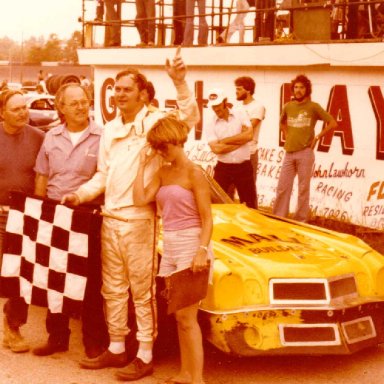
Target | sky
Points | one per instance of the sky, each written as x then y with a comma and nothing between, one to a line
21,19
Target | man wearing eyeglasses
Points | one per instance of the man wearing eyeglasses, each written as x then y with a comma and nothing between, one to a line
67,159
129,232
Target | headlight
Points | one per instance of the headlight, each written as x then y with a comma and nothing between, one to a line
229,292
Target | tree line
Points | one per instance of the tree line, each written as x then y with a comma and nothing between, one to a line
35,50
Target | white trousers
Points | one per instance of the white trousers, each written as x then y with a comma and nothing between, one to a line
129,261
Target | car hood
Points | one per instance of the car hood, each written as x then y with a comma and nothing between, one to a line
251,248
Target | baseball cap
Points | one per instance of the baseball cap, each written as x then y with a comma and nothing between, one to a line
216,97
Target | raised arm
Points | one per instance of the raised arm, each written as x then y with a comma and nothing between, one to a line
186,101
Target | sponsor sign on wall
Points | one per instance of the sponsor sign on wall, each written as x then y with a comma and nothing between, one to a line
348,175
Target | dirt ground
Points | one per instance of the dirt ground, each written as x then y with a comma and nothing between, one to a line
364,367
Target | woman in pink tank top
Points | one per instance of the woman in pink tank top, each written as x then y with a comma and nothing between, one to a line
183,196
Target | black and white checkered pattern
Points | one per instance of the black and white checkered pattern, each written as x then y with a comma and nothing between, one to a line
46,253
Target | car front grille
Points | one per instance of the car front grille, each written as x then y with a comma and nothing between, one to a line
359,329
311,291
309,335
342,287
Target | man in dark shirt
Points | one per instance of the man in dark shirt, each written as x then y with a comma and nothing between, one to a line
20,144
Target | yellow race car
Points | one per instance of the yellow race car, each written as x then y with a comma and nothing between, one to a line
283,287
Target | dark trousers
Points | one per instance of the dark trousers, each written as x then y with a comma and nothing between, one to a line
16,311
100,10
15,308
255,162
265,21
178,24
145,9
241,176
94,328
112,35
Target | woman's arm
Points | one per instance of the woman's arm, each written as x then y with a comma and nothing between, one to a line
200,188
143,196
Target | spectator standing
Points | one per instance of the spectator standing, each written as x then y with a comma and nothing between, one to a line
245,89
39,89
129,258
297,122
183,194
84,82
20,145
145,21
237,24
112,36
264,20
228,136
99,11
41,80
40,76
179,12
149,97
202,38
67,159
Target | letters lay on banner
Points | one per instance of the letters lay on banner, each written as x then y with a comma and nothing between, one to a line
45,256
347,178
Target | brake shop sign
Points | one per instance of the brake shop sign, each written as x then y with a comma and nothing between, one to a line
348,174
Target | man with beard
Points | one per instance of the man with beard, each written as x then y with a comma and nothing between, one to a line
297,122
245,88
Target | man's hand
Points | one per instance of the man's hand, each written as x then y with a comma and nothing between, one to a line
70,198
146,154
314,141
177,70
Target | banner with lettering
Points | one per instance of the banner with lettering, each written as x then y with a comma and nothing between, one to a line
348,175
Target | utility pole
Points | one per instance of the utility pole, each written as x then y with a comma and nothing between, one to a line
22,58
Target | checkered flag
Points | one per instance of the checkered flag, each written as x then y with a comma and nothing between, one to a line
46,253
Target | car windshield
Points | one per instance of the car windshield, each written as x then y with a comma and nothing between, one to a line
42,104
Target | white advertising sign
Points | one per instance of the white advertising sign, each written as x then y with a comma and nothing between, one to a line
348,175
